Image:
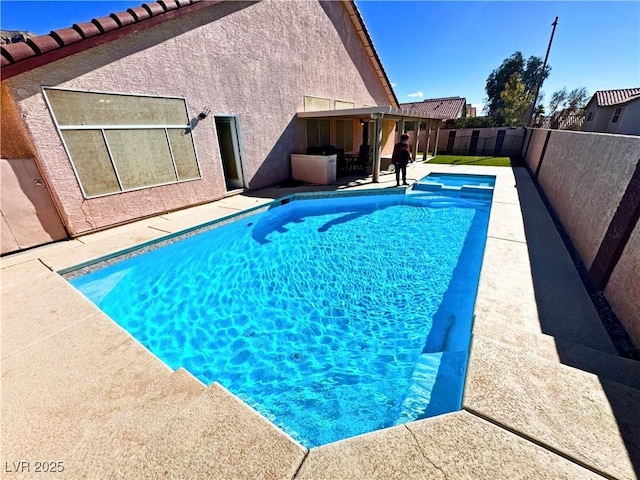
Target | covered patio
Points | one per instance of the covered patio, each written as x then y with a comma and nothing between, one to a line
376,128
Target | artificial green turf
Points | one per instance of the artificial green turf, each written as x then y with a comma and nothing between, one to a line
471,160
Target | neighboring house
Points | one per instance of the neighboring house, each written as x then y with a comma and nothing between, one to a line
177,103
442,109
471,111
448,108
564,120
613,111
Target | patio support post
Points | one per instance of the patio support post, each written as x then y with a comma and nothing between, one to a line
435,147
400,129
377,145
416,138
426,147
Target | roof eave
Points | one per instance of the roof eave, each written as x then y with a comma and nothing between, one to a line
367,112
361,29
39,60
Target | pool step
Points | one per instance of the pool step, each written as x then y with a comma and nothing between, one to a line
216,436
560,350
422,382
116,441
437,386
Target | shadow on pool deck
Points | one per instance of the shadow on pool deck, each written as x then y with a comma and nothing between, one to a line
555,398
580,330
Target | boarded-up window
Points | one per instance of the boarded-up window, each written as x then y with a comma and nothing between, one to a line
96,171
122,142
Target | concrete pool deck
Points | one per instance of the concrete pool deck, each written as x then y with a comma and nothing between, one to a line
546,394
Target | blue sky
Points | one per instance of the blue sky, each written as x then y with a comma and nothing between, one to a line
440,49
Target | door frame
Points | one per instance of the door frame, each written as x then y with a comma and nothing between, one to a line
238,149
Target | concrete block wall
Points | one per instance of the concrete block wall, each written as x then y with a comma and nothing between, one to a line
592,181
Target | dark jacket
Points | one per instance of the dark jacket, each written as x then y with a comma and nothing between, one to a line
401,154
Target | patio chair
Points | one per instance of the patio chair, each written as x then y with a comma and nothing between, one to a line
364,156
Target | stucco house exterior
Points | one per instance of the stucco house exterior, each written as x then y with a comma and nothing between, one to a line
176,103
613,111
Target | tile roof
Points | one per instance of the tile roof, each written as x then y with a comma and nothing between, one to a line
609,98
36,51
365,38
445,108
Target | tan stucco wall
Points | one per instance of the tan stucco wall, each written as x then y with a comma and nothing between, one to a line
533,152
584,176
623,289
256,61
487,138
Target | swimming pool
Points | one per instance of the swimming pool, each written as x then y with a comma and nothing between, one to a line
331,316
457,181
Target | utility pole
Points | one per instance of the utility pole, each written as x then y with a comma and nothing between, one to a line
541,79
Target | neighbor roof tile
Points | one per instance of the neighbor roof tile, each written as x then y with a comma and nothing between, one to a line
447,107
608,98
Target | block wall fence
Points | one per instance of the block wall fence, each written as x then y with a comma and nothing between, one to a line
592,182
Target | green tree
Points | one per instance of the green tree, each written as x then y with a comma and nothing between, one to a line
516,102
528,71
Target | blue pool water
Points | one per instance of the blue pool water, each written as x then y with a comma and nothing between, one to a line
436,180
332,317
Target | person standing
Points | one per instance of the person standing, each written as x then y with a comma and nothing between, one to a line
401,158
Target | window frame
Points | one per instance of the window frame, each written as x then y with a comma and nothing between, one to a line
317,131
105,127
616,115
309,99
348,125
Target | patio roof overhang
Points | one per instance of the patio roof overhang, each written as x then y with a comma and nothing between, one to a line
369,113
378,115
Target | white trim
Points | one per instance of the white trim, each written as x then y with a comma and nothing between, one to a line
102,129
80,90
372,112
173,160
238,146
113,164
140,188
125,127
